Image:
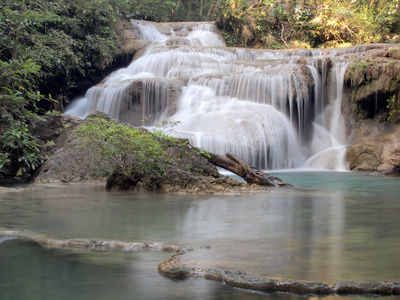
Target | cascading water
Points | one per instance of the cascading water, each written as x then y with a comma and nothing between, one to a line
329,138
268,107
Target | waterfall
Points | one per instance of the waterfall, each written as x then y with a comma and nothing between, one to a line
329,138
270,108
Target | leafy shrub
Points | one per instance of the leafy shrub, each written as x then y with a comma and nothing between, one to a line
129,151
20,153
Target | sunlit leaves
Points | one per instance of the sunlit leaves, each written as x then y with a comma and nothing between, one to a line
317,23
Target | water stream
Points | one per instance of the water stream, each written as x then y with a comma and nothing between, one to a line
275,109
332,227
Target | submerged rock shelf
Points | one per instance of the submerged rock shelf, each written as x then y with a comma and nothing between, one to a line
176,269
89,244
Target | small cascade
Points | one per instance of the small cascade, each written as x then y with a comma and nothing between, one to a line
329,138
155,100
270,108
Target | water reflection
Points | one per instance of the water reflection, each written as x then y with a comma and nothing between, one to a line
346,228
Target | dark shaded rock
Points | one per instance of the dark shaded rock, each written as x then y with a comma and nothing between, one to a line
121,182
389,172
53,131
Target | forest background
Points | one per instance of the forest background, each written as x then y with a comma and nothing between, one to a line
48,47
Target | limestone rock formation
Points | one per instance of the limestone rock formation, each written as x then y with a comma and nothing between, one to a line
372,84
69,163
189,171
375,149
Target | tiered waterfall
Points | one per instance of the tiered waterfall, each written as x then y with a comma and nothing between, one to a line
275,109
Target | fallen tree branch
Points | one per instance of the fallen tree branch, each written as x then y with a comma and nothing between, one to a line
241,168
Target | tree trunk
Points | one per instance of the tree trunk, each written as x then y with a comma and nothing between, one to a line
211,7
14,52
188,4
249,173
201,9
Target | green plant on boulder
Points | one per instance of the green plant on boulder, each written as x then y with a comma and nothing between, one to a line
131,154
357,71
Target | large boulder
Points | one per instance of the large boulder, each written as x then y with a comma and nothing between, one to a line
70,163
189,170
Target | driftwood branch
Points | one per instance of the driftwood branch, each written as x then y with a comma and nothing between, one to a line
241,168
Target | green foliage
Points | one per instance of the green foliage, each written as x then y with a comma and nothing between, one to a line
18,88
357,69
174,10
64,39
19,151
5,162
331,23
393,106
46,47
125,149
340,22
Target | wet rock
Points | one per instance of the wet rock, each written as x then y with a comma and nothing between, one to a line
176,269
363,287
90,244
389,172
214,274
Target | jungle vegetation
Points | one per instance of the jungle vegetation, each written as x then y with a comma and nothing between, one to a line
46,47
309,23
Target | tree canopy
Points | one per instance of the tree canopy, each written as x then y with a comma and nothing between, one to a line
309,23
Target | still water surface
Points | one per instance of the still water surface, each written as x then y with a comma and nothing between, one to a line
331,227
